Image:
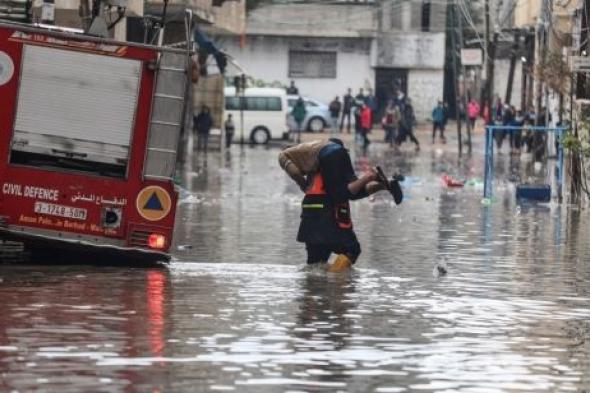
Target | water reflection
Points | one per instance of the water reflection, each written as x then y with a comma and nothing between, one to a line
58,322
155,294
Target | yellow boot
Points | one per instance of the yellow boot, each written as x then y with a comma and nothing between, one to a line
341,263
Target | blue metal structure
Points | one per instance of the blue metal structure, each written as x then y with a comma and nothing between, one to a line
489,154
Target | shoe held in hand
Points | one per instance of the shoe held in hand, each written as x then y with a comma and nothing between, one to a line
391,185
396,191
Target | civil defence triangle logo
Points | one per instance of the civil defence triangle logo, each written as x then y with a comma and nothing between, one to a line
153,203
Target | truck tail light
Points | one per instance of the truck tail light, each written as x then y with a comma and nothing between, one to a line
156,241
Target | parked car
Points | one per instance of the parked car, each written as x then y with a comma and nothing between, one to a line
317,118
265,113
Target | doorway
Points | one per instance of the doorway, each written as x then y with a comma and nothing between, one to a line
385,81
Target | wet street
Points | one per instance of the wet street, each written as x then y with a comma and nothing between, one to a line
238,311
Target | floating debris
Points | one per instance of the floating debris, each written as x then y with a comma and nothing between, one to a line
440,268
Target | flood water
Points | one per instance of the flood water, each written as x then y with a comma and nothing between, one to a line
238,311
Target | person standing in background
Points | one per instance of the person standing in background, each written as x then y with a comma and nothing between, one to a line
360,97
399,98
366,124
390,123
348,103
505,120
292,89
473,111
299,112
498,110
438,122
202,124
406,127
230,129
335,108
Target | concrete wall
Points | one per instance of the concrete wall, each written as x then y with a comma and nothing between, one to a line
503,13
526,12
407,16
313,20
231,16
410,50
425,88
266,58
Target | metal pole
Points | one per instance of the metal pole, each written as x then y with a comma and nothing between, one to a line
456,76
508,96
464,74
560,169
541,38
489,165
489,71
242,118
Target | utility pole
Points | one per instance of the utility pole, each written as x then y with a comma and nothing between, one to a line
491,45
531,48
541,59
548,27
456,75
489,60
526,61
459,18
515,46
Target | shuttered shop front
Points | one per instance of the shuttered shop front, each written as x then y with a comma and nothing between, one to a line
78,102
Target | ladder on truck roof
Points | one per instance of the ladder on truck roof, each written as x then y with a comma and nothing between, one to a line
167,116
168,111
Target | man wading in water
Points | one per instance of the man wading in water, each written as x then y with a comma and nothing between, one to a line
323,170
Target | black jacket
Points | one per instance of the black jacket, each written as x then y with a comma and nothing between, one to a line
203,123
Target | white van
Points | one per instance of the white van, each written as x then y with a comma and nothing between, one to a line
265,113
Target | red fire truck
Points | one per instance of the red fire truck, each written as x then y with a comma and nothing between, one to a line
89,130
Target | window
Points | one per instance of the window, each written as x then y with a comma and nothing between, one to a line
273,104
291,102
306,64
232,103
425,20
254,103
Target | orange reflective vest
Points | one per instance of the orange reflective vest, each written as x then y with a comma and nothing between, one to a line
316,200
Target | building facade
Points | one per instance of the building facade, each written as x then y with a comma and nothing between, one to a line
554,29
139,15
328,48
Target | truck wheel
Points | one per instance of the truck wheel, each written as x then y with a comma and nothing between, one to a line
260,136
